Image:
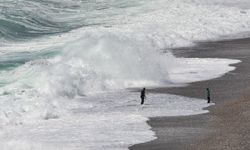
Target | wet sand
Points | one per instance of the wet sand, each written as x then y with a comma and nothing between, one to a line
226,126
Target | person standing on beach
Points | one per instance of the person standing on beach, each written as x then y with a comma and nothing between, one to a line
143,95
208,95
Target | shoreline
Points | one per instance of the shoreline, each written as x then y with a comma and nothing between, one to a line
201,131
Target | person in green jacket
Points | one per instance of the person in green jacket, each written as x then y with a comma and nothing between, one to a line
208,95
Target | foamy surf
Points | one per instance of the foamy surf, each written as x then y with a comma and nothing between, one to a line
56,56
106,121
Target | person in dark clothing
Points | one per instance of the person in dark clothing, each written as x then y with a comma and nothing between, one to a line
143,95
208,95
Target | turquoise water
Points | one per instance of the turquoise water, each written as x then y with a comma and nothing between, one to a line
23,22
24,19
12,60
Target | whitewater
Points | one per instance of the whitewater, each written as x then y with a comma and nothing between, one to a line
66,67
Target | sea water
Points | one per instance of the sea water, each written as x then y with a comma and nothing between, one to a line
65,66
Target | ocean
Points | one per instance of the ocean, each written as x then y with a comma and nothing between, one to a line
66,67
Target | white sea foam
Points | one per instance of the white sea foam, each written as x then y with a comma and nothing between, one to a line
104,121
128,50
189,70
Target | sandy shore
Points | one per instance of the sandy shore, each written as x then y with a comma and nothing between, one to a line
226,126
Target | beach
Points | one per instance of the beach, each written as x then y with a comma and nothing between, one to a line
226,125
